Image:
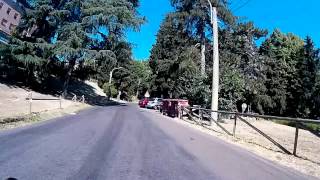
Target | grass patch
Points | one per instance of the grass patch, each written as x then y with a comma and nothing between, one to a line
313,126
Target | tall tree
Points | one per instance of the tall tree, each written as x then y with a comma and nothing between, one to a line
174,61
241,67
308,69
281,70
65,33
107,25
195,15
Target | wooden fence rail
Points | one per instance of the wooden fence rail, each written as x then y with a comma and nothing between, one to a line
206,114
30,98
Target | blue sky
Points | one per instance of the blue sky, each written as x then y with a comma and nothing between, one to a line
299,17
154,11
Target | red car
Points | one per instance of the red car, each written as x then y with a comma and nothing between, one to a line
171,107
143,102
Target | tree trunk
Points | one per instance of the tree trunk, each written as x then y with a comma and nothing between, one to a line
203,54
67,78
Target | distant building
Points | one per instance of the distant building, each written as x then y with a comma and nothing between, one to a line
10,15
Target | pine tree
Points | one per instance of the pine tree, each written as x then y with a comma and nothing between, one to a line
308,69
195,16
174,62
58,33
241,71
283,52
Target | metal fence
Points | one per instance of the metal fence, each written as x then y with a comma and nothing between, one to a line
204,117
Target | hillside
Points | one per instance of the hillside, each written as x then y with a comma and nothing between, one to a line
13,100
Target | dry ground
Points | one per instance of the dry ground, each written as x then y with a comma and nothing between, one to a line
308,150
13,102
45,115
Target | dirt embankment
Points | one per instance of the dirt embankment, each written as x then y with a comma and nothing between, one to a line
15,107
13,102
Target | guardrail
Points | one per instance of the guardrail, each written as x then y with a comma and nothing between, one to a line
207,114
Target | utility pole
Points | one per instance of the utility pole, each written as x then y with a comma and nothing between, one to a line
215,75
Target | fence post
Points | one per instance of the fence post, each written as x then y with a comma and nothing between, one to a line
235,125
74,98
296,140
60,102
30,103
83,99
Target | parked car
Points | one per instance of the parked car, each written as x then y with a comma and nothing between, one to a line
171,107
143,102
154,103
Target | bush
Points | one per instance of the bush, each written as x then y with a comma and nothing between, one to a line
114,91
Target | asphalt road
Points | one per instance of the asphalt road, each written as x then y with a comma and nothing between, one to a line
124,142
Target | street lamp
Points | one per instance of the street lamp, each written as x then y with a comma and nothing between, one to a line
215,73
110,80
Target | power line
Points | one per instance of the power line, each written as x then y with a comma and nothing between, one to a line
241,6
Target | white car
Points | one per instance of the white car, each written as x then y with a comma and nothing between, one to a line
154,103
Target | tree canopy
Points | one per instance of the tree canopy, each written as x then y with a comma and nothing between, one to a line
276,73
72,39
278,77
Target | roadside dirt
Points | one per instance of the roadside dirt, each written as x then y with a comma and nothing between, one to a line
13,102
308,150
15,108
45,115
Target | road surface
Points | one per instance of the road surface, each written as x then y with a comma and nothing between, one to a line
124,142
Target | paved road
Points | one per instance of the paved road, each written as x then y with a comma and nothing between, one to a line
124,142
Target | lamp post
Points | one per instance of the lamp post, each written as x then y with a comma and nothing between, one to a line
215,73
110,80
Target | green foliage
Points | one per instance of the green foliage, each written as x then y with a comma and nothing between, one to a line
308,70
280,68
279,78
241,76
313,126
291,72
172,61
73,39
140,78
110,90
82,39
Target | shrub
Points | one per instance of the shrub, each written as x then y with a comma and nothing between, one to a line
114,91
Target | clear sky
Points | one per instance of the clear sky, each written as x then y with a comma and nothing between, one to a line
301,17
154,11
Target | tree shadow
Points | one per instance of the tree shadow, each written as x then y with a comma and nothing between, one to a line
79,88
13,84
54,87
